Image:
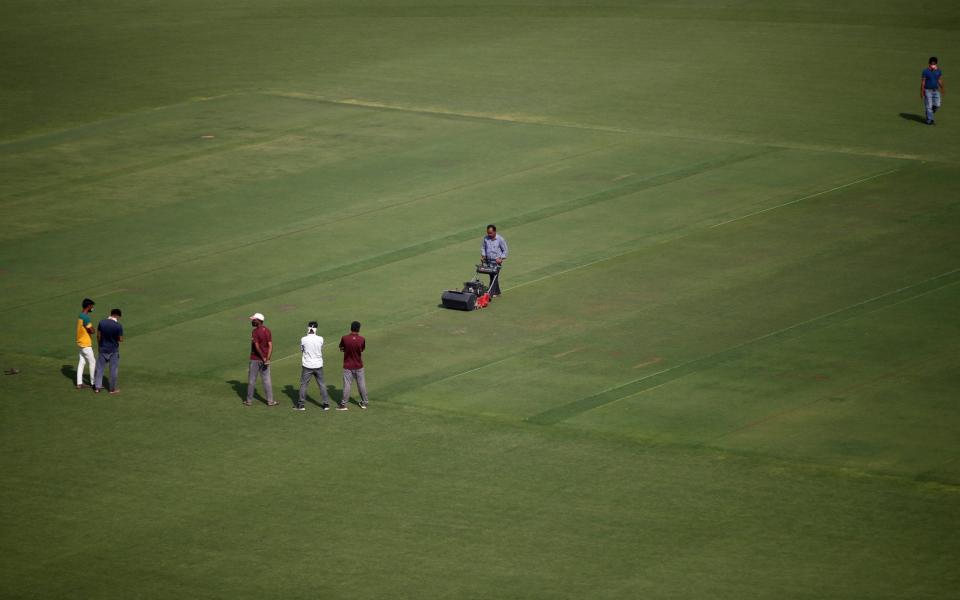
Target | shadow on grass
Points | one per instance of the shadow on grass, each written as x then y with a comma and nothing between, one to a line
70,372
240,389
294,394
913,117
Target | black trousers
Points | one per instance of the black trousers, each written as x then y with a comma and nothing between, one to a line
495,284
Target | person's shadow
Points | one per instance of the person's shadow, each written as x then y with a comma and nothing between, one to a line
294,394
913,117
70,372
240,389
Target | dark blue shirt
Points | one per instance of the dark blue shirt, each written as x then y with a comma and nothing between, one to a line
110,333
931,78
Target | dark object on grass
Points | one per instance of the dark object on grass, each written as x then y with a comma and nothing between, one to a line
11,372
474,293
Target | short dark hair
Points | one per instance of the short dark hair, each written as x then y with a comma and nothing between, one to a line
933,60
312,324
492,226
115,312
355,326
87,302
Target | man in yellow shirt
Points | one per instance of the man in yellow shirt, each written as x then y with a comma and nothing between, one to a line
85,342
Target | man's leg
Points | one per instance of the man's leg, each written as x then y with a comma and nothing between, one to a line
91,361
318,373
347,382
928,102
304,381
252,380
98,377
114,360
936,100
83,360
267,384
362,388
494,285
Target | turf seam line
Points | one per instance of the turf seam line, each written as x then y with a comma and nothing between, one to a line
689,233
833,189
643,384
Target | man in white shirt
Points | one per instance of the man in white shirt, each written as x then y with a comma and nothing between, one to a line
311,345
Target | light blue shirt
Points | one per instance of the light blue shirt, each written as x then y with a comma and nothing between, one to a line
495,248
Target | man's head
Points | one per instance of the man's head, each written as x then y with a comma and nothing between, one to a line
491,231
355,327
312,327
115,313
87,305
257,319
933,62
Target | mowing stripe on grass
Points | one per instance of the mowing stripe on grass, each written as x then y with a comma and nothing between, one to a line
464,235
646,383
321,224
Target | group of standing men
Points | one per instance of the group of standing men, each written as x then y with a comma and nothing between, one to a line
311,364
109,335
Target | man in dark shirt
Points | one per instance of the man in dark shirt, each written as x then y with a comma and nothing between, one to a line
109,336
352,345
261,349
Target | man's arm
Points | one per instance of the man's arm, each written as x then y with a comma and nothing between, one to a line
269,351
503,248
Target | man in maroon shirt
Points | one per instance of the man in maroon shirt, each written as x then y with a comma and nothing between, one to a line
261,349
352,345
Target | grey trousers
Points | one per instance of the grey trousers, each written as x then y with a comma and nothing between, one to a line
103,359
257,367
348,376
305,375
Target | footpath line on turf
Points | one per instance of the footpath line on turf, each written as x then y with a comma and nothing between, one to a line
665,376
440,112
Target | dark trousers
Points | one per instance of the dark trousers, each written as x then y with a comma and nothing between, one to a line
103,360
305,376
495,284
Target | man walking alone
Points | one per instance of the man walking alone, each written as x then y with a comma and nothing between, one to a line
352,345
311,345
931,88
261,349
85,342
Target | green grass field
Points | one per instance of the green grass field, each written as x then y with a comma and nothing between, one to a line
725,364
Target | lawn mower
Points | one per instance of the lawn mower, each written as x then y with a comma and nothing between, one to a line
474,293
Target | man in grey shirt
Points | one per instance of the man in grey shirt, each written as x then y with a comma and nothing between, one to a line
493,251
311,365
